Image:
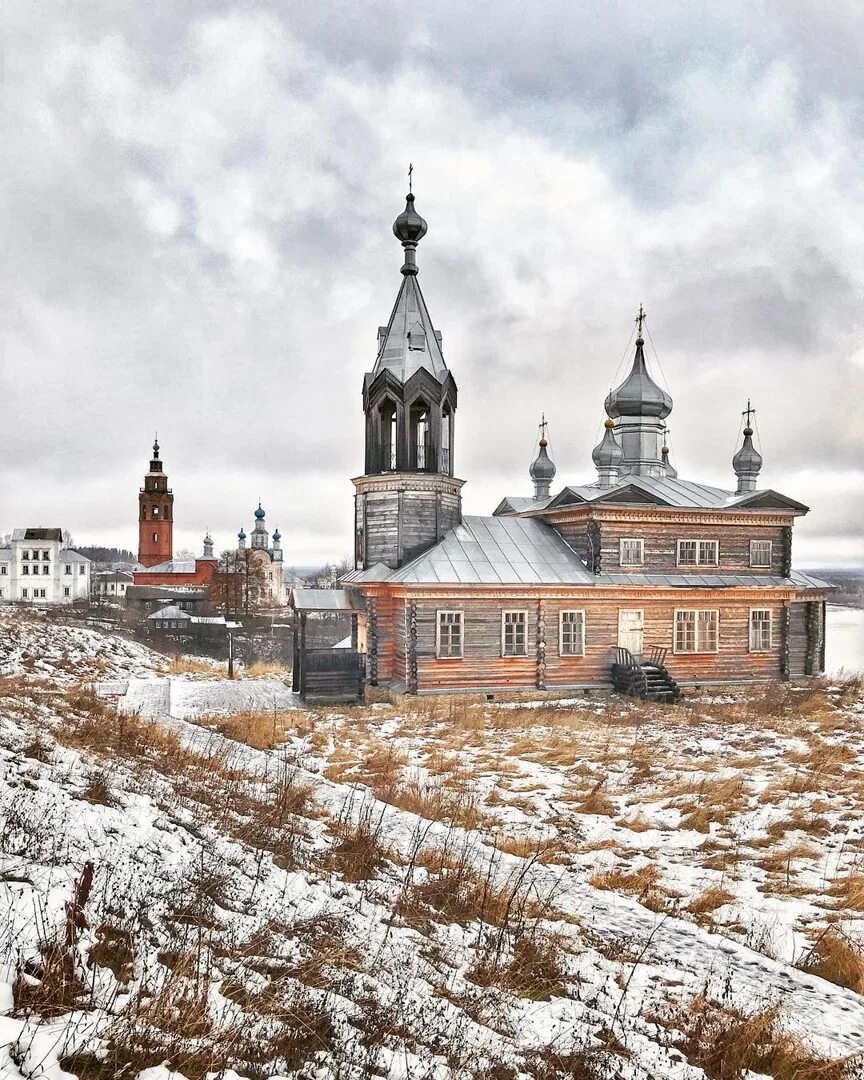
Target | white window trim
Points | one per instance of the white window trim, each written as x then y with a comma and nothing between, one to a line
697,540
697,651
770,631
631,540
561,614
769,564
449,611
504,614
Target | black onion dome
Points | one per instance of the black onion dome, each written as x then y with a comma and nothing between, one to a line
748,459
607,454
639,395
542,467
409,227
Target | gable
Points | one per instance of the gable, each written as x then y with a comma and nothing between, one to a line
631,494
771,500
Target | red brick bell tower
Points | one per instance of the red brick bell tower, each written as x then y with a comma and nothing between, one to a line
155,516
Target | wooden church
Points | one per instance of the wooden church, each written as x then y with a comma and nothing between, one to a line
637,578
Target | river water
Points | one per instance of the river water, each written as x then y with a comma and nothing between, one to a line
844,640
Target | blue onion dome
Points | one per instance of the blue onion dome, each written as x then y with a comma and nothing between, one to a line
542,467
277,535
639,395
607,454
260,513
241,535
409,227
748,459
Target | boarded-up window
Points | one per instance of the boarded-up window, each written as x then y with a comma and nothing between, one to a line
632,552
449,635
696,631
514,638
760,630
760,552
572,633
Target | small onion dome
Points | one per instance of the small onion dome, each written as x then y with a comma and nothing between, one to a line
671,471
639,395
748,460
277,535
241,535
260,513
155,448
607,454
542,467
409,227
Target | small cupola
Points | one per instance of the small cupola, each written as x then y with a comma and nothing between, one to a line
409,228
241,538
747,463
607,455
260,513
542,469
671,471
208,546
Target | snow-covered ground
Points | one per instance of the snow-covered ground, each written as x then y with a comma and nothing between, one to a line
427,889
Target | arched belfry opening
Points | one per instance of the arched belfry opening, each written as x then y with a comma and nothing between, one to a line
408,497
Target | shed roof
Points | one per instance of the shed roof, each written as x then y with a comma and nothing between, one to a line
327,600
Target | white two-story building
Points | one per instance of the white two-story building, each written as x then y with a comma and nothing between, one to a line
37,569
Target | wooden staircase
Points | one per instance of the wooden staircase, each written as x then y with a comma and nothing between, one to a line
645,677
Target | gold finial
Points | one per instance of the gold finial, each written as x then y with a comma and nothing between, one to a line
608,423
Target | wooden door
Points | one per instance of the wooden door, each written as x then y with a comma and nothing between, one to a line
631,630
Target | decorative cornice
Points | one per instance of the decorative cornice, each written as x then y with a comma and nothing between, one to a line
671,516
407,481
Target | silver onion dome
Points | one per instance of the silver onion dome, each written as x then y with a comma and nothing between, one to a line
748,460
639,395
607,454
409,227
542,467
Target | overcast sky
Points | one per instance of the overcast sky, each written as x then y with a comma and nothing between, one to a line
197,204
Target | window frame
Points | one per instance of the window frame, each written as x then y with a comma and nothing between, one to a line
561,623
760,648
698,541
460,615
765,565
696,650
631,540
524,624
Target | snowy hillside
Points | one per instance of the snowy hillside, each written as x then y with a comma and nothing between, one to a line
435,889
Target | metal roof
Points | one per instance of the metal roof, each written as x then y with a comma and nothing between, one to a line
716,581
182,566
327,600
498,551
170,612
667,490
39,533
410,316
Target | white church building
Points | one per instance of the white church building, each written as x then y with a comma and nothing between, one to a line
36,569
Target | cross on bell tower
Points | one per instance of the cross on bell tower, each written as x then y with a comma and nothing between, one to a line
155,515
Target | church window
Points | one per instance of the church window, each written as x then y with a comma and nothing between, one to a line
760,630
632,552
514,633
155,538
419,436
572,633
696,631
155,512
389,443
449,644
697,552
446,433
760,553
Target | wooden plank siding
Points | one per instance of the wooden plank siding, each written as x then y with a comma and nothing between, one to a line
543,667
661,532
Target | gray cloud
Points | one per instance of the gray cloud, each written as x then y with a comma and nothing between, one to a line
198,201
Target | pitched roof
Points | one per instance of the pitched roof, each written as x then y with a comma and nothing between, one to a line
498,551
797,579
170,612
183,566
38,534
410,318
671,491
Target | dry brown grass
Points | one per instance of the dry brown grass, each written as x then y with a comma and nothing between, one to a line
597,802
532,969
642,884
263,729
188,665
727,1045
835,957
709,900
359,853
848,891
